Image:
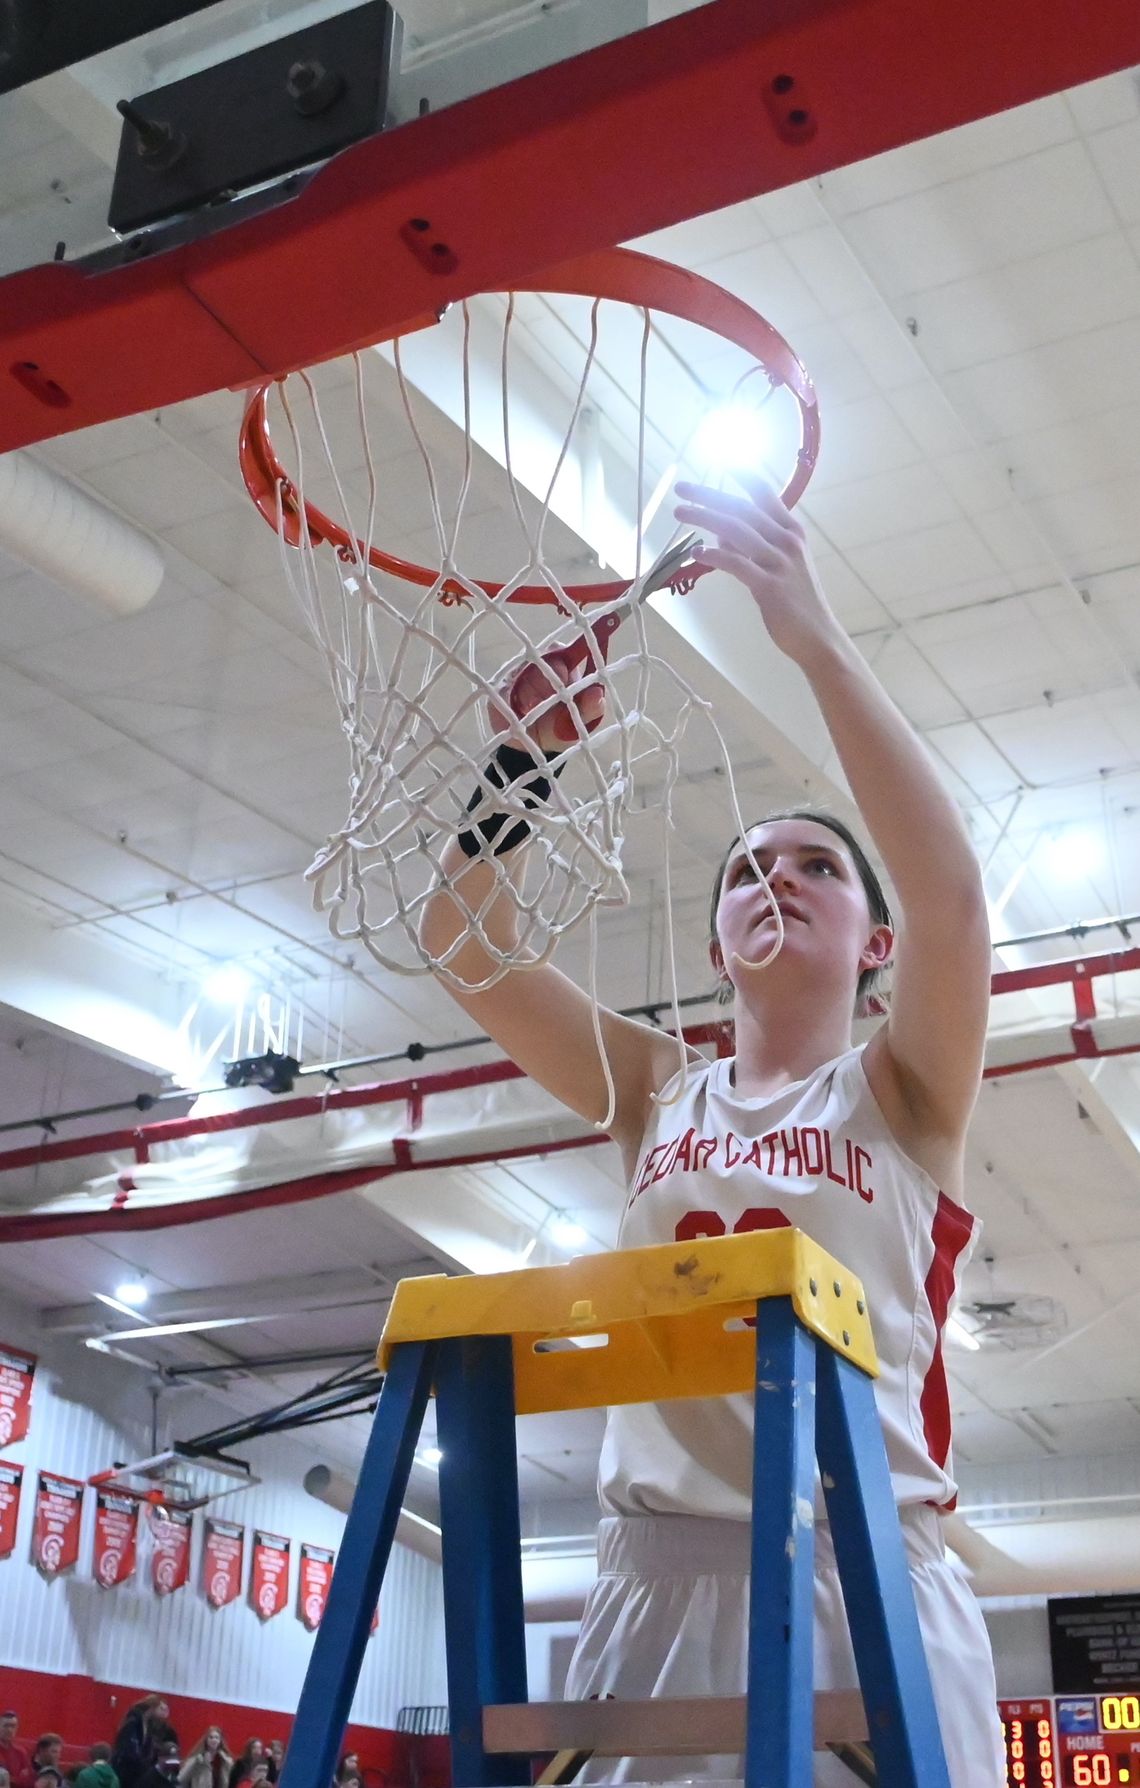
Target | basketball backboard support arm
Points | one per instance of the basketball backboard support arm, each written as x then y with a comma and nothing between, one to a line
687,116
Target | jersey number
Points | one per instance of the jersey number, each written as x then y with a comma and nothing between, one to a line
695,1224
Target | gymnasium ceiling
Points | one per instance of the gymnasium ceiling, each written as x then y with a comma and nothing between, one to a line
969,309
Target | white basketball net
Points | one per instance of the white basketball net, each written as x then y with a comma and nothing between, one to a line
417,674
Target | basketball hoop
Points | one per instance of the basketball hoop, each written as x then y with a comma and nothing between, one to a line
620,275
175,1481
424,654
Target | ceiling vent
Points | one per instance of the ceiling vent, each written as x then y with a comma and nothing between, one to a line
1015,1320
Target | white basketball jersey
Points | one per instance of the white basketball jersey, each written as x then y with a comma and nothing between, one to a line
819,1155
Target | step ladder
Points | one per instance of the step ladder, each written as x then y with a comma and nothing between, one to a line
497,1345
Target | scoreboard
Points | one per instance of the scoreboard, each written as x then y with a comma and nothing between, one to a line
1072,1741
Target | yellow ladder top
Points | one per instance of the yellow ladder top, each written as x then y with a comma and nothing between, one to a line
641,1325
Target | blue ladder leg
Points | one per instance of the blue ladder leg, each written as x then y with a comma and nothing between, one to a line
781,1611
482,1564
330,1681
873,1571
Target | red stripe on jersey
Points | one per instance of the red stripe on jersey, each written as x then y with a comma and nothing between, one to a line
951,1231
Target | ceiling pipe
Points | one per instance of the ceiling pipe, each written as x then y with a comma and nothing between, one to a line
78,542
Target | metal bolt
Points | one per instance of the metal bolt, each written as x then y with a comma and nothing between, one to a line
313,88
837,1289
846,1339
860,1306
813,1288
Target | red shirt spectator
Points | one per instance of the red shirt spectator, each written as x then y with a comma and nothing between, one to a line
13,1757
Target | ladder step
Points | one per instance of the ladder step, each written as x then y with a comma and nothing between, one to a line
688,1727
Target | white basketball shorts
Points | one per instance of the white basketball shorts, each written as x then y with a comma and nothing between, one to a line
668,1616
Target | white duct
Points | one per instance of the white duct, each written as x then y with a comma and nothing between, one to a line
553,1588
78,542
333,1488
1091,1556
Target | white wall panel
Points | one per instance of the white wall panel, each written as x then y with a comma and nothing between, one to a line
88,1411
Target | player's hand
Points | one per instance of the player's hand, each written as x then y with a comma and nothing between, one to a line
532,688
758,539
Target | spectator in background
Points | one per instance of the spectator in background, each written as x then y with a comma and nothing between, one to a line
253,1752
97,1772
14,1757
209,1764
258,1776
137,1742
275,1757
163,1772
348,1769
47,1778
47,1754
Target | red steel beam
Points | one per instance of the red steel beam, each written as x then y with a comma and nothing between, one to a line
140,1139
685,117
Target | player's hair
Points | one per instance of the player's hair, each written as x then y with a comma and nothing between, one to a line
872,887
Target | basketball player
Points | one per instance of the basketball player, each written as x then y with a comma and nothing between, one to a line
860,1147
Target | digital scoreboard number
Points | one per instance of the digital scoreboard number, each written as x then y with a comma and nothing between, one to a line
1098,1741
1030,1744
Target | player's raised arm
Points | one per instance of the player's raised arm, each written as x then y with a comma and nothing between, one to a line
537,1015
933,1043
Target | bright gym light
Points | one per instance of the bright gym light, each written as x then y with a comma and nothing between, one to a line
227,986
565,1233
132,1292
429,1456
733,435
1075,854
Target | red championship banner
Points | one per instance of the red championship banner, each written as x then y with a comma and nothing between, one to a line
269,1577
17,1370
116,1538
223,1555
11,1477
55,1534
313,1584
170,1560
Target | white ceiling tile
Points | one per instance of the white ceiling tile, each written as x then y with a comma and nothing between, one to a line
986,143
238,545
918,688
1023,208
861,439
834,368
930,561
1074,454
884,345
930,418
1098,105
830,270
792,208
1003,656
765,278
1018,307
163,486
859,609
868,509
703,239
1101,519
1016,543
975,759
101,445
1088,370
34,611
977,478
1116,155
1074,738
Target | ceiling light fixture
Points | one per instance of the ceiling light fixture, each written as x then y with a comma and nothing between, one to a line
565,1232
132,1292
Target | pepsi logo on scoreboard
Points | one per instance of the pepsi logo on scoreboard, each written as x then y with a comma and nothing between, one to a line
1072,1741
